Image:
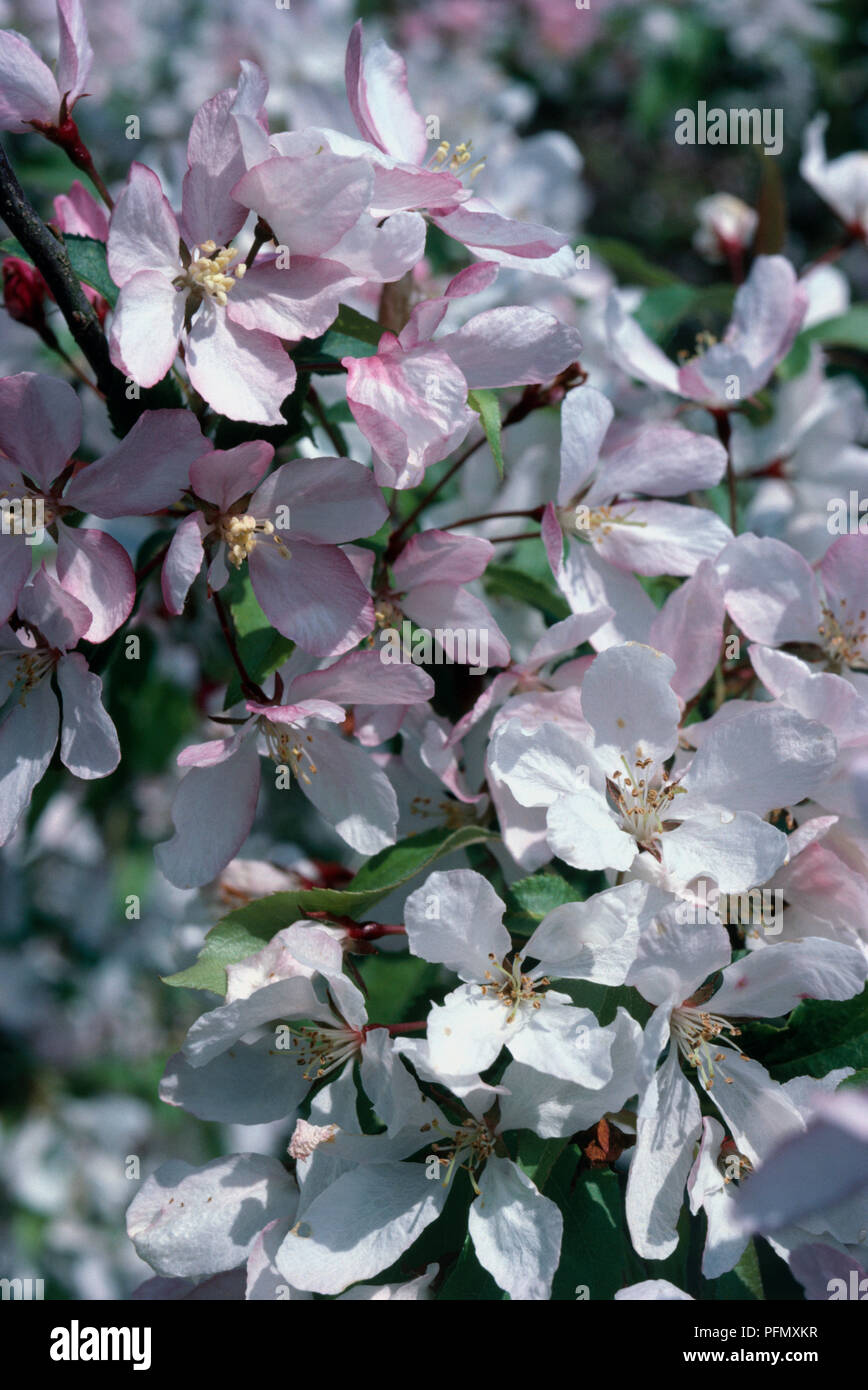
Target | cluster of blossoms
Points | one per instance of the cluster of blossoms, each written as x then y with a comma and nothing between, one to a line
677,719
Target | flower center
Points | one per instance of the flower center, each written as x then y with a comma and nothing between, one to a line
695,1031
468,1147
286,747
29,670
514,988
593,523
320,1050
704,341
388,614
206,273
457,161
843,637
241,534
641,804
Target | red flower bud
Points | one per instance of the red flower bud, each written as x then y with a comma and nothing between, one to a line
24,292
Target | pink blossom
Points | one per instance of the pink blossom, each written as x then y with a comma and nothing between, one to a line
30,93
410,398
231,318
53,622
767,314
289,531
40,427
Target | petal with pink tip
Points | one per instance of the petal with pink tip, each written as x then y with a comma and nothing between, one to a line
28,91
147,471
315,597
144,233
224,475
212,814
380,100
40,424
183,561
89,744
76,55
147,324
243,374
97,570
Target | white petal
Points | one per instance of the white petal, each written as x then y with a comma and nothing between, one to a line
516,1232
194,1221
456,919
668,1125
359,1226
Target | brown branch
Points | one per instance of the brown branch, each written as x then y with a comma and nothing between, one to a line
49,256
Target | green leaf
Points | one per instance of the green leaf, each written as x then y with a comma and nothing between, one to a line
487,406
351,335
537,1157
88,259
593,1249
821,1036
262,649
468,1280
245,930
848,330
531,899
628,263
663,308
503,579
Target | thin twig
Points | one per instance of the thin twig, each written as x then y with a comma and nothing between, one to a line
50,257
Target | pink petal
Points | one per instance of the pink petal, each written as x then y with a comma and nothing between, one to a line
443,606
183,561
382,252
79,212
586,415
309,201
40,424
315,598
380,102
96,569
212,814
491,235
147,471
661,460
88,739
330,499
146,327
76,55
224,475
435,557
300,300
689,628
242,374
511,347
28,737
60,616
306,709
15,566
144,233
361,678
28,91
411,407
216,161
